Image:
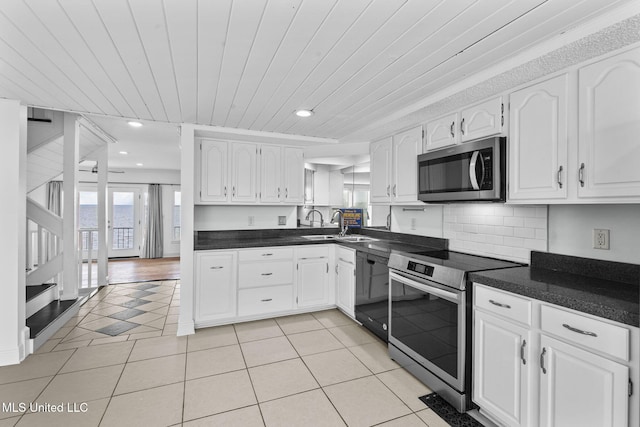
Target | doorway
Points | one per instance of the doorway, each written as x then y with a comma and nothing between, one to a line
125,222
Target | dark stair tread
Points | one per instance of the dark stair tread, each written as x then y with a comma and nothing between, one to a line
35,290
43,318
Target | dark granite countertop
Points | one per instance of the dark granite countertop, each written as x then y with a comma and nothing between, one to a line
385,241
606,289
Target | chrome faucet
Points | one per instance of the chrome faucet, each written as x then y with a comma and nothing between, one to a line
319,213
343,229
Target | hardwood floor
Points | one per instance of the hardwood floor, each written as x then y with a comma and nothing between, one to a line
143,270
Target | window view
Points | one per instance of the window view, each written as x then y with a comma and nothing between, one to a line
123,219
88,219
175,222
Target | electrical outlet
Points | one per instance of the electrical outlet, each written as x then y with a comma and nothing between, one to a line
413,223
252,220
600,238
282,220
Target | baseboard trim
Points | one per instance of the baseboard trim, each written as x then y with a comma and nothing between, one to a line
186,328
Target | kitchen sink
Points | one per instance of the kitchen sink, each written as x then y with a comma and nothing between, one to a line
321,237
339,238
356,239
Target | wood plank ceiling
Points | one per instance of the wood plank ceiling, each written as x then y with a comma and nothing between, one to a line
250,63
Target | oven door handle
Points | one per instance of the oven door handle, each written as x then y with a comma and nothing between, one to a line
447,295
472,170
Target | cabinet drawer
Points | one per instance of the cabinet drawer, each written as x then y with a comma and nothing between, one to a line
591,333
265,300
265,254
253,274
312,252
503,303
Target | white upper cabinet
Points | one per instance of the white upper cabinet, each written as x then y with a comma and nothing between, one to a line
380,185
394,167
609,127
213,171
549,163
478,121
442,132
293,175
248,173
406,147
482,120
244,172
538,141
270,174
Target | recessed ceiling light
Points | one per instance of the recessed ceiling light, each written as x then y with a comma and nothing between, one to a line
135,124
139,164
123,152
304,113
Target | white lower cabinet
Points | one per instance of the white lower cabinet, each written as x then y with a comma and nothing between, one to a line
312,268
248,284
215,294
580,388
501,375
537,364
345,280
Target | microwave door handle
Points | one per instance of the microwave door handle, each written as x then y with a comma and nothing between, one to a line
472,170
482,173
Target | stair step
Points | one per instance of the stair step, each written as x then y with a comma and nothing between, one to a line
34,291
48,315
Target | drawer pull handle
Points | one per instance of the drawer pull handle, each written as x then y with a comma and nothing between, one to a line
544,370
579,331
216,267
266,299
524,344
267,274
499,304
267,254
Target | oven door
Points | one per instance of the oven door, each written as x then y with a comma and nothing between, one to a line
426,322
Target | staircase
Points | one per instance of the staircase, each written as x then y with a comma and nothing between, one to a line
46,314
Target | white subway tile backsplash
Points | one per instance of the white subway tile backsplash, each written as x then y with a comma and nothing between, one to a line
524,232
514,221
508,232
535,222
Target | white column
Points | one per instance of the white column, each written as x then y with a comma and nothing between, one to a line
103,230
14,335
187,182
71,256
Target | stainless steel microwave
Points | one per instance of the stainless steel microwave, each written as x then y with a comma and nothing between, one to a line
472,171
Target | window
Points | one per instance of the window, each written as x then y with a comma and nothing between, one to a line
175,220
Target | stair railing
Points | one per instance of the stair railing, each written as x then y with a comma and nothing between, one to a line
44,248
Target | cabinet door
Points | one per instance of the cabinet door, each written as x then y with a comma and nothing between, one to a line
482,120
380,152
345,280
215,286
609,125
243,172
213,171
293,175
578,388
538,141
441,132
270,174
313,282
501,369
406,147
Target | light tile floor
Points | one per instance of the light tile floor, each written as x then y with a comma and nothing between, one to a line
119,363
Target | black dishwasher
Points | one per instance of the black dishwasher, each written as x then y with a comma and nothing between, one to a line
372,293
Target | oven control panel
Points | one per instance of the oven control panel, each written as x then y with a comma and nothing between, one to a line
423,269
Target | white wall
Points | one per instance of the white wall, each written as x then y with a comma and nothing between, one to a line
571,231
237,217
421,220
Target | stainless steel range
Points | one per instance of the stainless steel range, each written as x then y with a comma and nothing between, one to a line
429,316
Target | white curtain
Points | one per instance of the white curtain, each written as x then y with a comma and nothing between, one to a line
54,204
153,239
